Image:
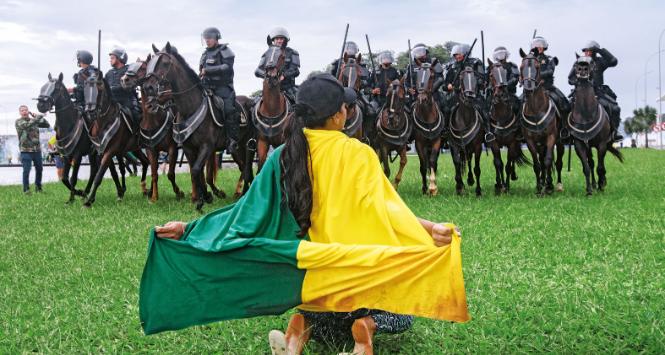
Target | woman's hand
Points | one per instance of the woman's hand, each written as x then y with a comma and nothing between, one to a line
442,234
171,230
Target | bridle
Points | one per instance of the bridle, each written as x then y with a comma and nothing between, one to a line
162,79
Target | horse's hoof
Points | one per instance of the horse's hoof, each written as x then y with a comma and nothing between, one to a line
513,177
589,194
220,194
433,192
237,195
479,194
199,206
470,182
79,193
87,204
179,195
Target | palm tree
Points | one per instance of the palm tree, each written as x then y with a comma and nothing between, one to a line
642,121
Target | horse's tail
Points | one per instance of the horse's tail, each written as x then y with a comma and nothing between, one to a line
522,160
615,152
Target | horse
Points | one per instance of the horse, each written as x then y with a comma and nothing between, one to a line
540,122
198,123
349,76
466,132
111,131
506,127
154,130
428,124
272,110
71,132
394,129
590,127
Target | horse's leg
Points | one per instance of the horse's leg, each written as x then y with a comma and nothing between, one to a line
385,160
153,157
114,175
262,150
402,164
144,168
459,165
536,163
422,157
103,165
65,178
549,158
469,177
580,149
591,166
212,173
498,169
191,155
173,158
560,152
476,169
73,178
602,177
197,171
94,166
122,169
248,169
433,165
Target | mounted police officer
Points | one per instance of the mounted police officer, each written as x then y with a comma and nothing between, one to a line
383,76
547,66
352,53
83,61
216,70
602,59
279,36
125,97
451,84
500,56
421,56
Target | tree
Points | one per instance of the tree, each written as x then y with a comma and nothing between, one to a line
643,119
439,51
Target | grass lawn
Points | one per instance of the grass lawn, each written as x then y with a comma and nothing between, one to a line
564,273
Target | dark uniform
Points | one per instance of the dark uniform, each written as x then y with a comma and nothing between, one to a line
291,64
125,97
351,53
218,78
451,76
421,56
547,66
513,75
383,77
82,57
602,59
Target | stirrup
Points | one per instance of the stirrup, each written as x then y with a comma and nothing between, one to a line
489,137
564,133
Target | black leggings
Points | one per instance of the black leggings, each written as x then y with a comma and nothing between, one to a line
336,326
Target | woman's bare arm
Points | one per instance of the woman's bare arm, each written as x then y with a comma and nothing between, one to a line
441,234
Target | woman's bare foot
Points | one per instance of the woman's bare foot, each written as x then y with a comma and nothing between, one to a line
297,334
363,334
277,342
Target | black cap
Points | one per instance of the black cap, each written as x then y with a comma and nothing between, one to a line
324,95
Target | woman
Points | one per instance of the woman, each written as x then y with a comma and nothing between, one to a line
322,229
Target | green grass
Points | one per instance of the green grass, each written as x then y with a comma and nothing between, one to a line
564,273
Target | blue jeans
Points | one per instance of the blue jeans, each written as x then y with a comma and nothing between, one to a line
27,158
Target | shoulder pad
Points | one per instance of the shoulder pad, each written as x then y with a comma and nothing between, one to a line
226,51
293,51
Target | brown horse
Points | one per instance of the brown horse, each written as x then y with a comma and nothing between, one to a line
466,132
428,123
111,131
198,123
541,123
507,129
272,111
349,76
154,130
394,129
589,126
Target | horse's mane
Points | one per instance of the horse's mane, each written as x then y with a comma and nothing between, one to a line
192,74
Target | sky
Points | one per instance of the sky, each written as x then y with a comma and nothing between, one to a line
38,37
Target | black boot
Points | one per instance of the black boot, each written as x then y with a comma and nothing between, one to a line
232,132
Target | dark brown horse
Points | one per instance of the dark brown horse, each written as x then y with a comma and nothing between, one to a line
155,130
428,124
111,131
507,129
72,138
272,111
589,126
541,123
466,132
198,123
349,76
394,129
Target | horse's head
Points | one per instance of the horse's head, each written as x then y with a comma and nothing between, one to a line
499,80
163,70
583,67
47,94
349,74
395,99
468,83
424,82
96,93
274,66
529,72
135,73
